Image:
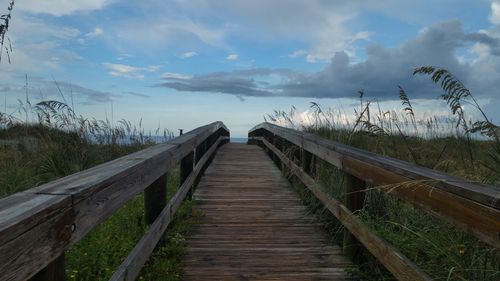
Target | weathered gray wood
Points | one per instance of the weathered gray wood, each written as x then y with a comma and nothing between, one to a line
473,209
186,168
32,250
333,153
131,267
155,199
307,162
354,201
37,225
254,227
475,218
399,265
55,271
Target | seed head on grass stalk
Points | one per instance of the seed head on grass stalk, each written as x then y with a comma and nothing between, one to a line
456,94
4,27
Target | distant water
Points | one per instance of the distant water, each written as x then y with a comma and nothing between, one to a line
239,140
155,139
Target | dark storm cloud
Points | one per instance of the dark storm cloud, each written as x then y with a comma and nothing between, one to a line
240,83
379,75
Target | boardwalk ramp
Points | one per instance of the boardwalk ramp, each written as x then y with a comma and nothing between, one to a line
254,227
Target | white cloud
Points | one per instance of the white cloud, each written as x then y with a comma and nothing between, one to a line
320,26
96,32
163,31
153,68
128,71
380,74
187,55
25,28
298,53
61,7
124,57
495,12
232,57
173,75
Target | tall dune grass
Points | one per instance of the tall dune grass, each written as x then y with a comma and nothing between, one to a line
46,141
455,145
56,142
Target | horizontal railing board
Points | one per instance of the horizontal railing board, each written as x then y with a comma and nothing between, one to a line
37,225
479,219
83,184
131,267
398,264
333,152
12,210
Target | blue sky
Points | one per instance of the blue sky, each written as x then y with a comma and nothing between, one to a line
181,64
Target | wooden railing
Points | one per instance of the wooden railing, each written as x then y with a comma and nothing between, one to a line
39,224
472,207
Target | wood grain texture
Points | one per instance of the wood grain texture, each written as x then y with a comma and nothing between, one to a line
397,263
472,207
334,153
37,225
354,201
155,199
254,227
130,268
55,271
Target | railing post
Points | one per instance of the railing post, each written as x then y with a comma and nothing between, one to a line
227,134
354,201
307,162
199,151
277,144
54,271
185,170
155,199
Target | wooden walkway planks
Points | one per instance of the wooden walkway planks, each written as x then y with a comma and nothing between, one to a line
254,226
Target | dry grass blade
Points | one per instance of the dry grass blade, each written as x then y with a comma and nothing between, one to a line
4,27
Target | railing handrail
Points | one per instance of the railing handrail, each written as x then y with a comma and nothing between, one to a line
472,207
488,195
469,206
38,224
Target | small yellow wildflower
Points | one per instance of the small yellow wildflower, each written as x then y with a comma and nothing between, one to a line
461,249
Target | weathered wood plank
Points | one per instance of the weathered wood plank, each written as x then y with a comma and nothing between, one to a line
472,210
37,225
55,271
355,201
399,265
333,153
254,227
131,267
155,199
475,218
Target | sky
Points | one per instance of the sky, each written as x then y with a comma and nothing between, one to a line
182,64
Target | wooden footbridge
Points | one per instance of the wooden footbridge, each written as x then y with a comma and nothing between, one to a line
254,227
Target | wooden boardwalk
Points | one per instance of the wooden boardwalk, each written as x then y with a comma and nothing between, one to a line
254,226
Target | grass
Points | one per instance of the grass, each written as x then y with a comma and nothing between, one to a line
164,264
467,149
100,252
437,247
50,154
60,144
